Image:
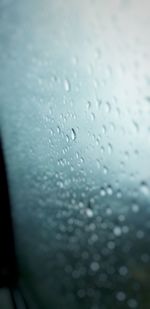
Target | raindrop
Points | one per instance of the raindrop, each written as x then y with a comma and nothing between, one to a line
51,132
93,239
105,170
98,164
125,229
97,141
121,218
140,234
109,190
121,296
89,104
113,127
104,130
119,194
109,211
60,184
135,208
111,245
92,227
109,149
102,192
67,138
117,231
123,270
144,188
102,149
136,126
99,103
73,134
89,212
108,107
82,160
95,266
92,116
58,130
67,85
132,303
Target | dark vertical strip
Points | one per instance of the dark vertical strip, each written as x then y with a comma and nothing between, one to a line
18,300
13,299
8,265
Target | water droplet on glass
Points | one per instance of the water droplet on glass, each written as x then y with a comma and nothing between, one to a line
121,218
117,231
92,116
94,266
97,141
121,296
58,130
111,245
135,208
109,211
109,190
105,170
108,107
109,149
98,163
125,229
60,184
119,194
132,303
73,134
144,188
136,126
104,130
140,234
123,270
102,192
89,212
67,85
99,103
102,149
77,155
89,104
67,138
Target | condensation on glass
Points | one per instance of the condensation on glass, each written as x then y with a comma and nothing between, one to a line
75,119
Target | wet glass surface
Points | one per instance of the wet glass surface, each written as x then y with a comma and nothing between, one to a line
75,119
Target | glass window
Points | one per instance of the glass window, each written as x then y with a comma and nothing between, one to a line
75,120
